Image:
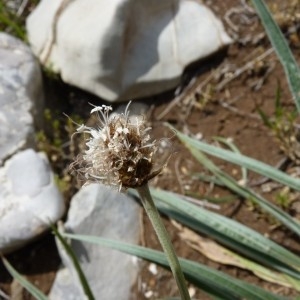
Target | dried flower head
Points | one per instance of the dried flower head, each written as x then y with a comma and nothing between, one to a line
119,151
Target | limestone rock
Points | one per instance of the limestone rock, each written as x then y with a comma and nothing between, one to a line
29,199
99,211
21,96
123,49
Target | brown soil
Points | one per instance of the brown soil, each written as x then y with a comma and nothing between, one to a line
219,97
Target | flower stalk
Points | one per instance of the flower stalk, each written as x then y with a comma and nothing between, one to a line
121,153
164,239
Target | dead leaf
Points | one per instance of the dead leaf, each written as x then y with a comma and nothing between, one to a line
219,254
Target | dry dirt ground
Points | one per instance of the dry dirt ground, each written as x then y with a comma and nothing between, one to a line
217,97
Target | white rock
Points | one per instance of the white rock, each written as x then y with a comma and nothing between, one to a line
123,49
29,199
21,96
99,211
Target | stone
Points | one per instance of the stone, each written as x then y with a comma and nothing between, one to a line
29,199
21,96
99,211
124,49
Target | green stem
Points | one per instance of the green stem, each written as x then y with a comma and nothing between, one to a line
164,239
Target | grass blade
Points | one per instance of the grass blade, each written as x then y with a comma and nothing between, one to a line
208,279
282,49
241,160
11,21
235,149
247,193
24,282
228,232
84,283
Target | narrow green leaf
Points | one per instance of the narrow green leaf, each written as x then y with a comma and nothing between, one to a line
247,193
207,178
241,160
282,49
10,20
208,279
264,118
234,148
228,232
84,283
24,282
215,200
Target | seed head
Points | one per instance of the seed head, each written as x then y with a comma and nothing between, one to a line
119,151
